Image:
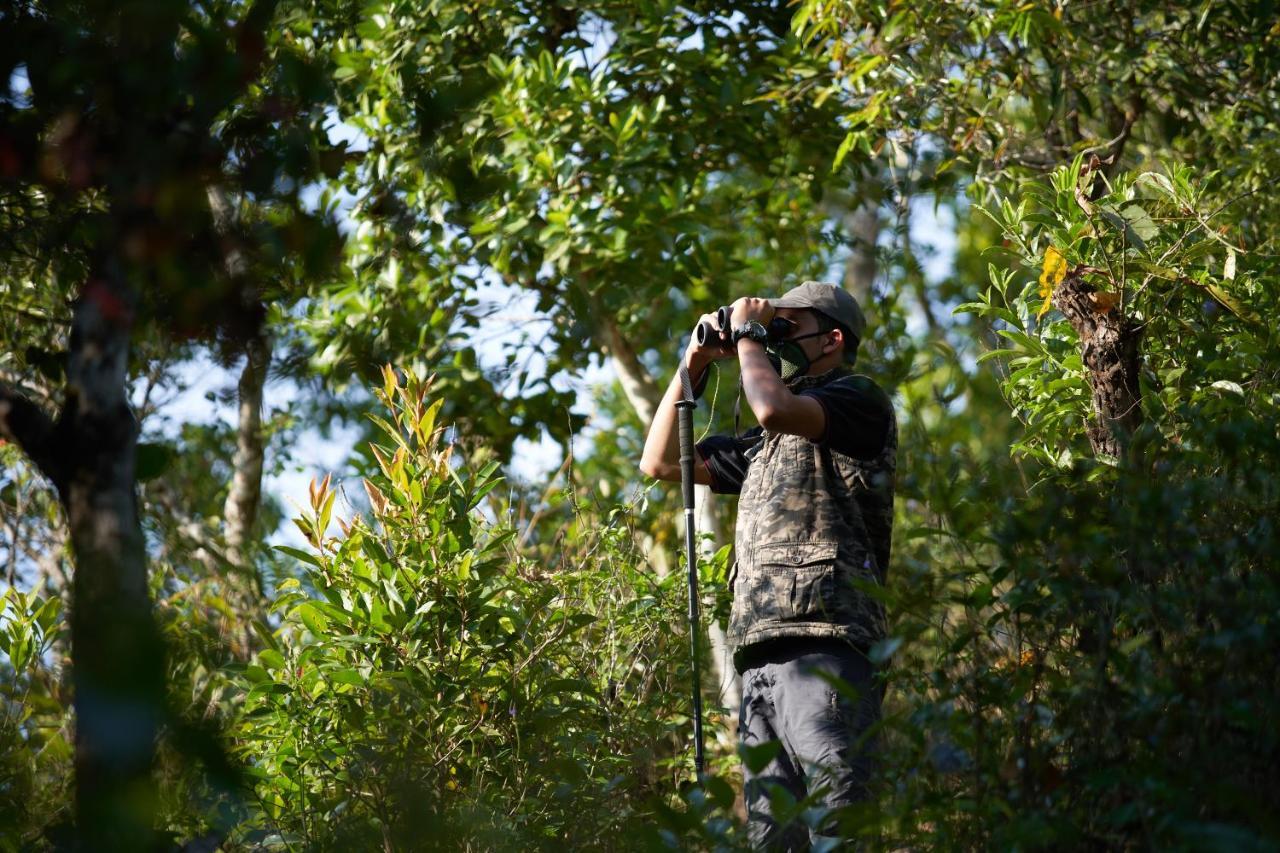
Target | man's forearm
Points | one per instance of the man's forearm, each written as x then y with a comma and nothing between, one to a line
661,456
764,389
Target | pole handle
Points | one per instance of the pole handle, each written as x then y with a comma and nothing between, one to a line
684,416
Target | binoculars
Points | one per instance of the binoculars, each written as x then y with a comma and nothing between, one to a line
705,332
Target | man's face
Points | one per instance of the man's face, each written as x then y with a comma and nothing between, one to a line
798,322
789,324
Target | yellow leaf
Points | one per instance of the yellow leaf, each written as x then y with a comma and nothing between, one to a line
1104,301
1044,308
1053,271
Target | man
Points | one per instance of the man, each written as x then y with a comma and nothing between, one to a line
815,515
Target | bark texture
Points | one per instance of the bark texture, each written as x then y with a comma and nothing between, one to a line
1109,347
642,392
863,225
118,669
89,453
244,497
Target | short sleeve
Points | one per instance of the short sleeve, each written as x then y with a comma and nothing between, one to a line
727,459
858,415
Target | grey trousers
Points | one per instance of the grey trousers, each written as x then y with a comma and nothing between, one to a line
824,748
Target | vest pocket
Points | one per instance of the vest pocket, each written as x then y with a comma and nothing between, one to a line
795,581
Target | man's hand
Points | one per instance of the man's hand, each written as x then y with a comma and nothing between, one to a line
750,308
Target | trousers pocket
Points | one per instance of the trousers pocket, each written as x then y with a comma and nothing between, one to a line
795,580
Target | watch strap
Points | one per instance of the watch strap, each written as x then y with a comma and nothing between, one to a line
752,329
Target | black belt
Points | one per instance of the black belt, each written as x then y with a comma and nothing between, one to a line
783,649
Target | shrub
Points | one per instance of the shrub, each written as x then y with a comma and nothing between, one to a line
428,680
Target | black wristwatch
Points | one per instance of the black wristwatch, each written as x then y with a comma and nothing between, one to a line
753,330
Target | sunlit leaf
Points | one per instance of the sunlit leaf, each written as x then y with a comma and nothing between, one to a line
1053,270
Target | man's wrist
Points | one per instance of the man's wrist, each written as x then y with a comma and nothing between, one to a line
752,330
696,363
699,371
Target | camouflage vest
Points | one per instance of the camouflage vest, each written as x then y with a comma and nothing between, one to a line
812,523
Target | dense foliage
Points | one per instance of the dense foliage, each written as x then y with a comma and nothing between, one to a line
1083,587
436,683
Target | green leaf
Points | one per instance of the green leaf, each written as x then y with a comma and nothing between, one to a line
884,649
256,674
1140,222
47,615
347,676
757,758
326,513
720,791
1226,301
265,634
846,145
152,460
427,423
996,353
1028,342
317,623
802,16
298,554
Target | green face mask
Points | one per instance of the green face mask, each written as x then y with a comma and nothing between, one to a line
788,357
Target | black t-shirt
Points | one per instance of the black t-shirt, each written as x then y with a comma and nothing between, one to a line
858,417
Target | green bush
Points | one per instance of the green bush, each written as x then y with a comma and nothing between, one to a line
35,737
430,681
1085,644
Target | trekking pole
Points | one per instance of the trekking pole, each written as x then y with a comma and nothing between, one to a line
684,413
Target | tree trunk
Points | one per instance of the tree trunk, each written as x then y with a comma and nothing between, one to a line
642,392
1109,348
863,225
244,497
117,663
117,659
240,512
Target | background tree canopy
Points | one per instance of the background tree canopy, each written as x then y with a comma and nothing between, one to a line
428,222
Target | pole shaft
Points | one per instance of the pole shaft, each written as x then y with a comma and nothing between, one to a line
685,418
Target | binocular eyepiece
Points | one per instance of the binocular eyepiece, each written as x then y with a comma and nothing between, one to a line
706,333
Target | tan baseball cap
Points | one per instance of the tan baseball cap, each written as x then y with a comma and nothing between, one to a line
835,302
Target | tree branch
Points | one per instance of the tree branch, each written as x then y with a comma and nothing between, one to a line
26,425
1109,347
642,392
